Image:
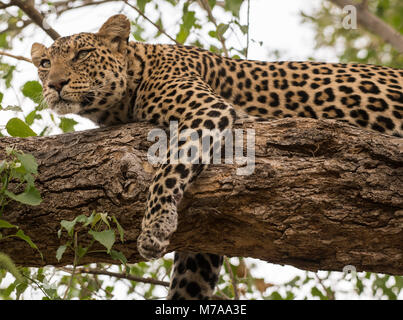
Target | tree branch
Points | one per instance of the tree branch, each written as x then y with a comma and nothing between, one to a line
117,275
4,5
323,195
28,8
374,24
3,53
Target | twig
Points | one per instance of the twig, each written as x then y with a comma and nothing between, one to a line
154,24
233,279
73,272
118,275
39,286
128,277
329,295
2,53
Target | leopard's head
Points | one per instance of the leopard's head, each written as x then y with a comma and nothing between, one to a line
87,71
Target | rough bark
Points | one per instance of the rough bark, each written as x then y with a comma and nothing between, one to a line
323,195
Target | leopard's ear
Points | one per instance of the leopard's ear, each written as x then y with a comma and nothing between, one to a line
37,52
115,31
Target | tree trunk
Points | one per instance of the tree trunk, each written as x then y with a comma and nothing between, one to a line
323,195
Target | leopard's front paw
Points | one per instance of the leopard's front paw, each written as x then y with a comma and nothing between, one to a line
153,242
150,246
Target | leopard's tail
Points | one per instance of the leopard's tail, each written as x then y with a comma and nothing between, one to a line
194,276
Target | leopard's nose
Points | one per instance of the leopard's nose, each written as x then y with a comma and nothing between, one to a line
58,84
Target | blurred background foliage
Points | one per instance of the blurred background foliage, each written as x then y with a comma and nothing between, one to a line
357,44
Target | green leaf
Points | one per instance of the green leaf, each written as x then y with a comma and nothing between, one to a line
234,6
20,289
3,165
6,224
317,293
30,118
142,4
188,21
18,128
30,196
106,238
8,264
120,229
67,124
117,255
104,217
82,218
6,73
90,219
222,28
32,90
20,234
138,30
3,41
81,251
212,3
159,24
93,219
276,296
60,251
68,225
244,28
213,34
28,162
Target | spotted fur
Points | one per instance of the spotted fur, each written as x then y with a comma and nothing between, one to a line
109,80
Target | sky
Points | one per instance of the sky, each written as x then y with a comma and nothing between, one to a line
276,23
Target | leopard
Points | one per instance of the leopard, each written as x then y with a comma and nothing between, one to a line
110,80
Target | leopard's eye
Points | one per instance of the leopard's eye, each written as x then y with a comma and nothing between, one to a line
82,54
45,63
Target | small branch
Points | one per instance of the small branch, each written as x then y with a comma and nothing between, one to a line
205,5
128,277
329,295
73,272
117,275
2,53
154,24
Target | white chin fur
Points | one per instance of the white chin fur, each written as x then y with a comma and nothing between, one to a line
63,107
